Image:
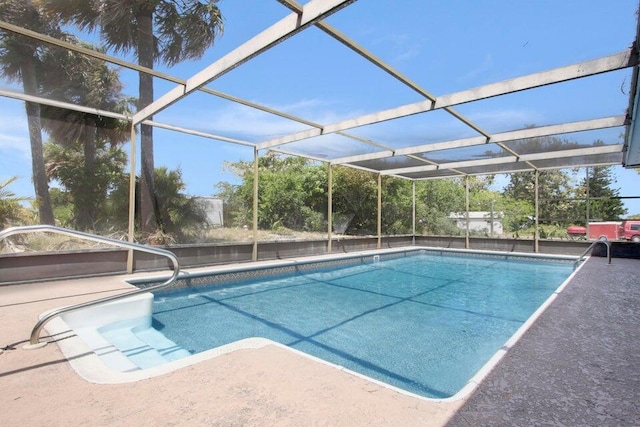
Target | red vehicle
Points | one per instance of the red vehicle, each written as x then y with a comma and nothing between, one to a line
612,230
630,230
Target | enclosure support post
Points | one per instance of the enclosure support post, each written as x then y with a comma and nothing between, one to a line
587,199
413,213
491,218
379,211
466,191
536,234
329,206
132,198
254,255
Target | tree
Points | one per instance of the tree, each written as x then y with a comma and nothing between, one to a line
604,203
183,216
156,30
63,209
21,60
88,82
291,193
518,213
355,192
10,209
397,206
436,199
554,193
85,191
235,211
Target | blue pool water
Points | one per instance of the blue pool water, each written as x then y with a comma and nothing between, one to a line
425,323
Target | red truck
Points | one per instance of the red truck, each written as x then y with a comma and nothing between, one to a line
630,230
612,230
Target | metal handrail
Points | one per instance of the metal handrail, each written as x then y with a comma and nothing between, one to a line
35,333
602,239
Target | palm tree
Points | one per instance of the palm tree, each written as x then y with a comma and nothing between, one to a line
88,82
10,208
20,61
84,198
184,219
156,30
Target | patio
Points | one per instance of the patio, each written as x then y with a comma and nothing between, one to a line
579,362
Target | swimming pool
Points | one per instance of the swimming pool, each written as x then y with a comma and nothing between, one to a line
426,322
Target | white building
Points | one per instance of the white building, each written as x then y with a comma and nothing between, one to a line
213,207
480,222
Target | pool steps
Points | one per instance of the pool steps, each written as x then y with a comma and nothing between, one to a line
124,345
143,345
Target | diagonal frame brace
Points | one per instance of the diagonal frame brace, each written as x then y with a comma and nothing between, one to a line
601,65
288,26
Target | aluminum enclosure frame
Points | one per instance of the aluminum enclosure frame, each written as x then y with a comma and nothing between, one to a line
313,13
505,150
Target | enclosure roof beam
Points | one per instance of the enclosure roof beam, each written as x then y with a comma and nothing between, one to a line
60,104
155,73
351,44
360,50
82,109
75,107
518,167
280,31
618,61
223,139
130,65
305,156
197,133
576,71
526,133
524,158
86,51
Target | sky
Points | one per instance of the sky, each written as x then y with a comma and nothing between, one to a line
443,46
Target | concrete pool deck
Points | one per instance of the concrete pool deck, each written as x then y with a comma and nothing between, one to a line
579,362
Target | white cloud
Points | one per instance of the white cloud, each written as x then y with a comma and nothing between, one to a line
403,47
480,68
15,157
241,122
15,143
409,53
505,120
235,121
301,105
329,146
316,110
14,134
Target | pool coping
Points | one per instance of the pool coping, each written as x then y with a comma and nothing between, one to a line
224,273
89,366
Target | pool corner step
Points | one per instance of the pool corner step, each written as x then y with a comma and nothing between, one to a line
168,349
144,346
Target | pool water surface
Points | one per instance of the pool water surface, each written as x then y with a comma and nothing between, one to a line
425,323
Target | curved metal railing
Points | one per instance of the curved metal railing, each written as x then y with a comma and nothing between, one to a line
602,239
35,333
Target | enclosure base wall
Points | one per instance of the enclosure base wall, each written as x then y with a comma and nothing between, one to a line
22,268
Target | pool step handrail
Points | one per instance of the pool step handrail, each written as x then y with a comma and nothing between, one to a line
602,239
35,333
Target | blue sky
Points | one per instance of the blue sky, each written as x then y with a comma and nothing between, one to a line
444,46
